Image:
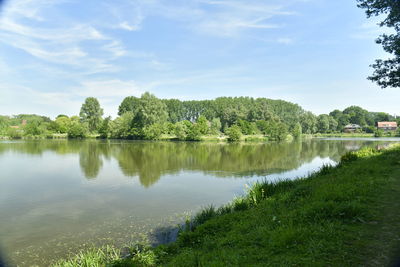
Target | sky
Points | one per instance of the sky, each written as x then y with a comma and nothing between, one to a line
316,53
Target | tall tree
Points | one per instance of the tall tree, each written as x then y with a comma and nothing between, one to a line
91,113
130,103
323,123
387,71
151,110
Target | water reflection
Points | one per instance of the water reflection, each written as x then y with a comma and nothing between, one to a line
48,210
151,160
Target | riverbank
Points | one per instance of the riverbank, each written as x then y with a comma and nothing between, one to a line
345,135
203,138
341,216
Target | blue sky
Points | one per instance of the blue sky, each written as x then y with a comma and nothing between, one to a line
55,53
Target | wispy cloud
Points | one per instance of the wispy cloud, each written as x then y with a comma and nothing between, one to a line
371,29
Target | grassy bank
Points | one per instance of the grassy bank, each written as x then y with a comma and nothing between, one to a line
344,135
347,215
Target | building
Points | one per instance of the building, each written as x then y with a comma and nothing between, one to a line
352,128
387,125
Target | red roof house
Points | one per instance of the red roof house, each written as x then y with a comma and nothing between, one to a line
387,125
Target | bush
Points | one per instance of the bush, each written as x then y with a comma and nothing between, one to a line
152,132
77,130
379,133
296,131
234,133
215,127
203,125
181,130
362,153
194,132
14,133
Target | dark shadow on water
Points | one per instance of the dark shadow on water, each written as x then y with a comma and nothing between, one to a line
163,235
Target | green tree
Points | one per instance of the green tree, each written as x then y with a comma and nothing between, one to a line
33,128
129,104
203,125
153,131
234,133
91,113
215,127
121,127
194,132
181,130
63,123
358,115
77,130
308,123
333,124
104,129
387,71
323,123
296,131
281,132
4,124
151,110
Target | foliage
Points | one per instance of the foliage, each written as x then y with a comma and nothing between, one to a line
234,133
4,124
129,104
378,133
14,133
63,123
203,125
181,130
247,127
34,128
91,113
77,129
323,123
387,71
194,132
296,132
308,123
105,129
153,131
215,127
122,127
151,110
148,117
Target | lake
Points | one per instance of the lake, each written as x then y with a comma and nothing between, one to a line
60,196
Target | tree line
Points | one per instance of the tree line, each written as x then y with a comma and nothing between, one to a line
148,117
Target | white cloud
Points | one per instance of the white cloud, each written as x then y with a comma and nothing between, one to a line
285,41
108,88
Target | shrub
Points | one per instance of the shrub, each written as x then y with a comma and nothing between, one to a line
378,133
234,133
215,127
194,132
77,130
152,132
14,133
181,130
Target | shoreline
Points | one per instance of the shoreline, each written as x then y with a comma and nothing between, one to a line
339,211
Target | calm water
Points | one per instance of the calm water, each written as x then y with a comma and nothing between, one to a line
57,197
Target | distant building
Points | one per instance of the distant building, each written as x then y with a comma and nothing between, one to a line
351,128
387,125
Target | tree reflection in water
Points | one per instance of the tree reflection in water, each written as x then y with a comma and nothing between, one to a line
151,160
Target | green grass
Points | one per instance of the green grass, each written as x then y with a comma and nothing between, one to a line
335,217
347,215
